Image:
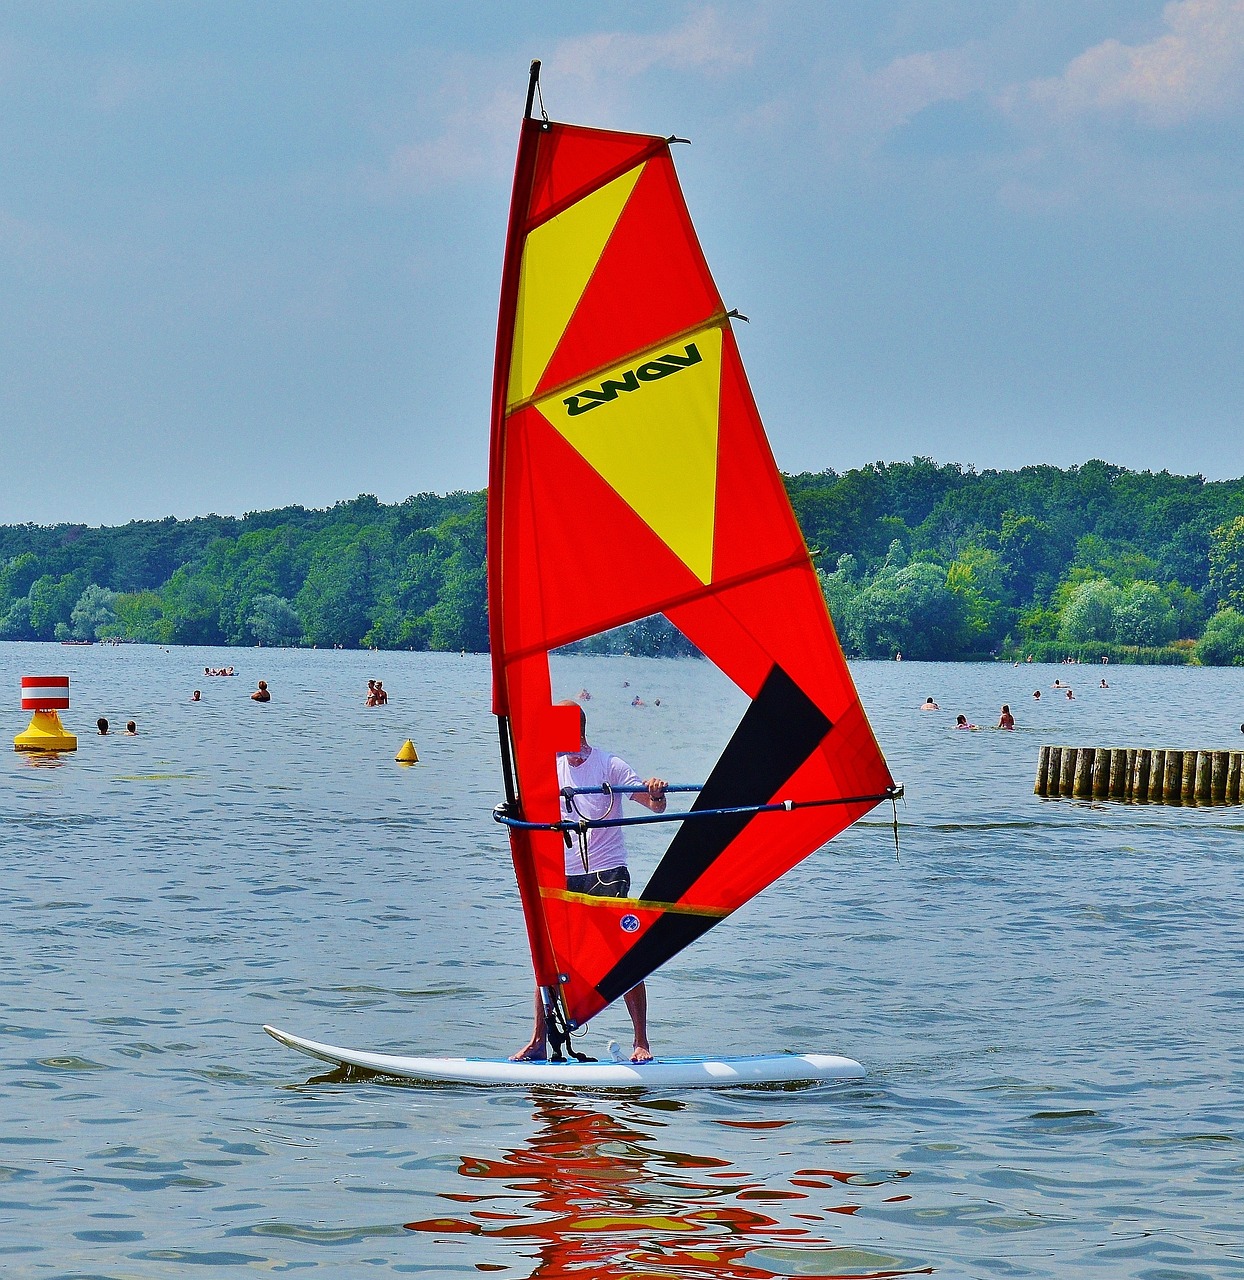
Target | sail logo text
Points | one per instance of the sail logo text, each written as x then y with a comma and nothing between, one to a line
652,371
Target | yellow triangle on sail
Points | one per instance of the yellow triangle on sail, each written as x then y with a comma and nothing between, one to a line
558,260
649,428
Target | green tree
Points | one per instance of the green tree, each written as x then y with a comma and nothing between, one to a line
191,613
1029,552
274,621
1089,614
52,600
16,622
840,588
1222,645
16,576
93,613
139,616
1144,616
977,577
1226,563
909,610
336,598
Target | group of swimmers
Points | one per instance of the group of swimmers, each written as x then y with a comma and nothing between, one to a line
219,671
1006,719
131,729
636,701
376,695
261,694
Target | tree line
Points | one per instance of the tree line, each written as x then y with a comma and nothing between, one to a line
933,561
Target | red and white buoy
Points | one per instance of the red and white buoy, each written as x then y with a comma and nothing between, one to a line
45,693
46,696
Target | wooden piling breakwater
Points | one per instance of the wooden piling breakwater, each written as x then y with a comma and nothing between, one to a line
1141,775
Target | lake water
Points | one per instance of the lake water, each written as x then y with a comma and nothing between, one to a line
1048,995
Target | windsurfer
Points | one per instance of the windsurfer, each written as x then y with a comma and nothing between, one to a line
606,874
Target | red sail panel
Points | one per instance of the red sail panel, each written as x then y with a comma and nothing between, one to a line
624,431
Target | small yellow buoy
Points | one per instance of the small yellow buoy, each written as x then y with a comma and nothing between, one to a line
408,754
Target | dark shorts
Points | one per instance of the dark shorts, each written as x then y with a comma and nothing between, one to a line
615,882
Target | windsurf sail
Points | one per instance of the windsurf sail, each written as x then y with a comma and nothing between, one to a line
623,429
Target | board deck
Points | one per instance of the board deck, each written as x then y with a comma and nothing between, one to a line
663,1073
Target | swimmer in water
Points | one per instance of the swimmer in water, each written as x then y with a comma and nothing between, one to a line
196,696
261,694
131,729
1006,720
929,705
961,722
102,725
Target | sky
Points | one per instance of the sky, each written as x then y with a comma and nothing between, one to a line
250,254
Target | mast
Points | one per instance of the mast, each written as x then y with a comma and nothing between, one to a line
532,85
544,962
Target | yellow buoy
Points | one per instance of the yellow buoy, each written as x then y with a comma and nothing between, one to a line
45,733
408,754
46,697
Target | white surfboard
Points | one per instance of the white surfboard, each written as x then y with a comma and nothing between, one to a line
661,1073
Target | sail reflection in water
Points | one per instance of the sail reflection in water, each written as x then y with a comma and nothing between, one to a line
592,1193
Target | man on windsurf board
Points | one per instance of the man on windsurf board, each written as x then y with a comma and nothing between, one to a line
599,866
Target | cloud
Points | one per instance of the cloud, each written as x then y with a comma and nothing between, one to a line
908,85
596,77
705,44
857,108
1194,71
474,141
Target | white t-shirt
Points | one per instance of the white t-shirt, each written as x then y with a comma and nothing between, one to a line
605,845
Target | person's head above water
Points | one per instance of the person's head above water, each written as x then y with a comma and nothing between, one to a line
131,727
102,724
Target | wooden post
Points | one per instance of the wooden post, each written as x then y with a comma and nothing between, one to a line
1054,772
1218,778
1117,784
1187,786
1042,787
1204,775
1140,776
1157,765
1174,777
1082,787
1067,779
1101,773
1233,778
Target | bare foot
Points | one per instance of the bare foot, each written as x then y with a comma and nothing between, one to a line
641,1055
534,1052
